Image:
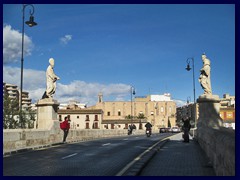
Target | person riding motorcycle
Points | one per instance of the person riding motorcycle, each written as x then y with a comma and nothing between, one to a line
148,128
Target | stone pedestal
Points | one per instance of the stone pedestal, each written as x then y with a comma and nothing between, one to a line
209,111
47,113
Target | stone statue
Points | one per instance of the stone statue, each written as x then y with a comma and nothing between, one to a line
204,78
51,80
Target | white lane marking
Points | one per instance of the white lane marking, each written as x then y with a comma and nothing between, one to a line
69,156
125,139
106,144
138,158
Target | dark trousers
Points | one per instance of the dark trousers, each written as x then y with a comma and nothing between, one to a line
65,131
186,136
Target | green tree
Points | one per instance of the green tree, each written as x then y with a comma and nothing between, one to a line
140,117
11,115
10,112
129,117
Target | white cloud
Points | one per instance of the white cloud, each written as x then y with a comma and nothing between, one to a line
66,39
12,45
87,92
179,103
35,83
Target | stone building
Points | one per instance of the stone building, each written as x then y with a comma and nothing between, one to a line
159,110
82,118
227,111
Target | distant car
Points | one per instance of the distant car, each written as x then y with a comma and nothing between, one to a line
176,129
162,130
168,129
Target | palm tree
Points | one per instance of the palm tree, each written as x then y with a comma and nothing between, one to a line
140,117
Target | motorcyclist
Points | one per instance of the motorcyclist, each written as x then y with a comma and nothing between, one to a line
148,127
130,129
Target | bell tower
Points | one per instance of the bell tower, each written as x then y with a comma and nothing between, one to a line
100,97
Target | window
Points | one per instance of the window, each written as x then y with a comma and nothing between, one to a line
77,117
162,109
95,125
119,113
96,117
60,117
108,113
87,125
87,117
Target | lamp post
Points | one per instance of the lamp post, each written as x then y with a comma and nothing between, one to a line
188,69
30,23
132,93
188,100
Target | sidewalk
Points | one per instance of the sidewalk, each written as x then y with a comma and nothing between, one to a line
177,158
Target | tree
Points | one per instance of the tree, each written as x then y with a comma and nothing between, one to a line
140,117
129,117
10,112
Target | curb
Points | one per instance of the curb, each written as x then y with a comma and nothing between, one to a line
30,149
138,166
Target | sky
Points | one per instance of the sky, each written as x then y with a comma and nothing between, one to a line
110,48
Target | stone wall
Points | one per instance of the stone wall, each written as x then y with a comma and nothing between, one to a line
219,145
17,140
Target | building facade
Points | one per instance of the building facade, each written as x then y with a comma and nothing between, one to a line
189,110
159,110
226,112
13,93
82,118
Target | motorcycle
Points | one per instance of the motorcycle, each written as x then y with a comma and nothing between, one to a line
129,131
148,132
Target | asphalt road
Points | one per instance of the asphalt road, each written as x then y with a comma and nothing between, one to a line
103,157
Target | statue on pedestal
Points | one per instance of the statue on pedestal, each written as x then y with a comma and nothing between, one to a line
204,78
51,80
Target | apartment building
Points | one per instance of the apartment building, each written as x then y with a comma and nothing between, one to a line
13,93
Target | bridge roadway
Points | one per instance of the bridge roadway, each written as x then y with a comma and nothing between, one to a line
135,155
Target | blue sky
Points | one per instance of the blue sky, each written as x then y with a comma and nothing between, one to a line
109,48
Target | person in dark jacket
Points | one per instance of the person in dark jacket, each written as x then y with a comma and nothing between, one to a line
149,127
186,128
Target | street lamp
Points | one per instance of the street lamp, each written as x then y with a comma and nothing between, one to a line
188,69
132,93
188,100
30,23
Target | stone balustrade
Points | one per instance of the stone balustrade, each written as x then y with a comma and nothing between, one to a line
17,140
219,146
217,142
